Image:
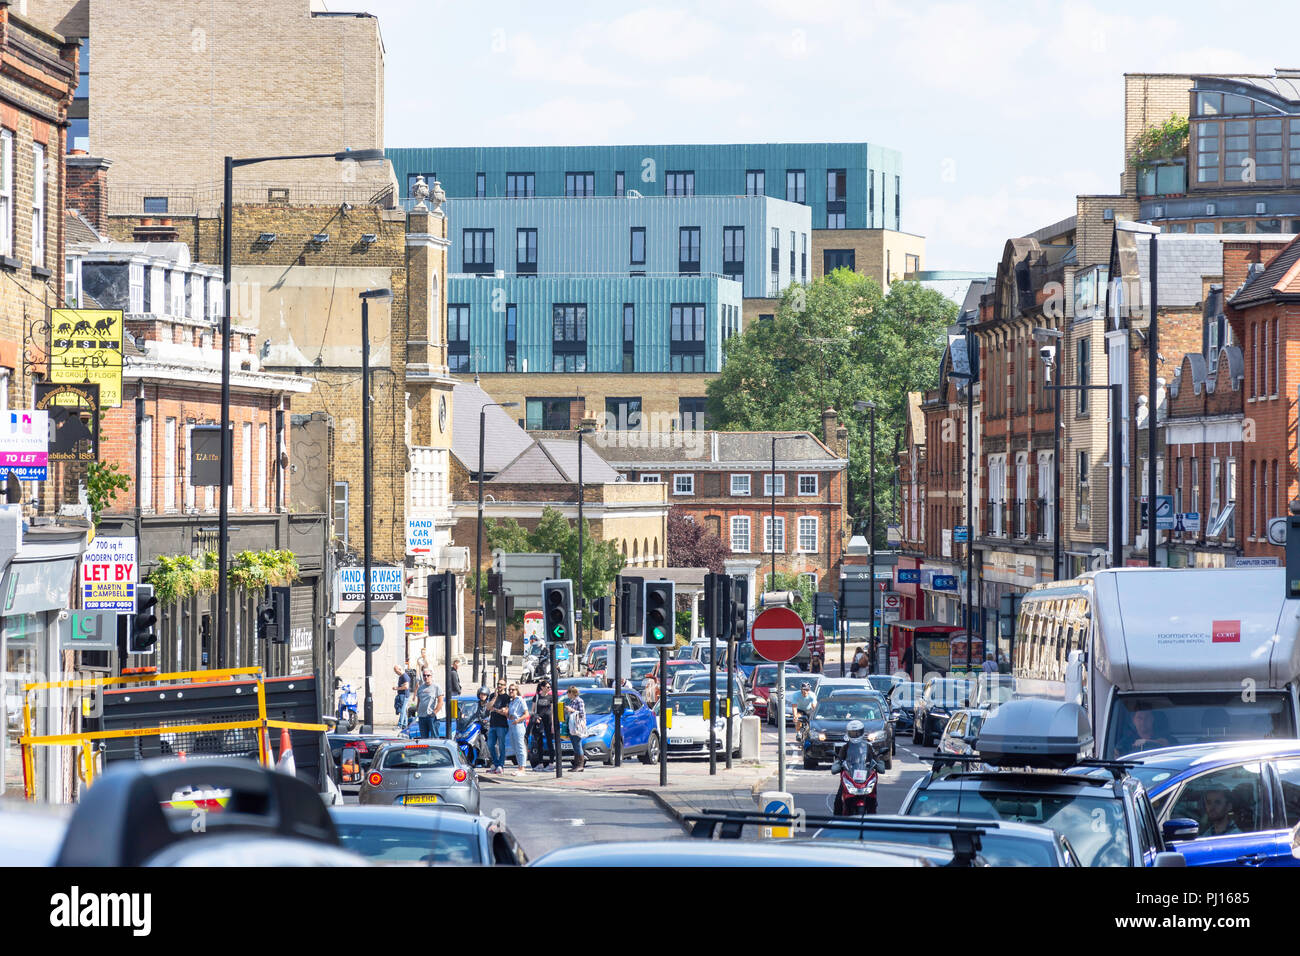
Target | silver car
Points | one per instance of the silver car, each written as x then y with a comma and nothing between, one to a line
420,773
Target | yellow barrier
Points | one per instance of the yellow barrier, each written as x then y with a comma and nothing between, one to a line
87,755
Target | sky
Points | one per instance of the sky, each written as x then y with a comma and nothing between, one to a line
1003,111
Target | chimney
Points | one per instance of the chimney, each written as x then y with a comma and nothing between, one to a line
577,411
829,417
87,178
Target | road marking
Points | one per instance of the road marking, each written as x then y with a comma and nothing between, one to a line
571,821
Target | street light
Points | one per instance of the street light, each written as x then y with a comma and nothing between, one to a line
1152,356
581,602
366,454
366,157
870,407
971,376
1048,348
478,551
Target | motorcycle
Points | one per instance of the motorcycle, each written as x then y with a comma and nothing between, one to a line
347,710
536,666
858,771
470,736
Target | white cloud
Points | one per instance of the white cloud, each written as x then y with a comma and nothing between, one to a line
703,88
659,35
568,120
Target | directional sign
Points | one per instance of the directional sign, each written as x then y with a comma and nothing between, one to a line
778,634
419,535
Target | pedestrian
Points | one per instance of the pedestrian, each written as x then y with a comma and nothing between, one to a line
453,686
403,689
499,728
413,685
427,704
575,716
518,717
543,704
650,690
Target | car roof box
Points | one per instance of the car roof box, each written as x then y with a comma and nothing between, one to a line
1035,733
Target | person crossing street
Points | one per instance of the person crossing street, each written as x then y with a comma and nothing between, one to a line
543,704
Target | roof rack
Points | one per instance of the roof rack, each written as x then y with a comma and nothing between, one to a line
729,825
956,764
1119,769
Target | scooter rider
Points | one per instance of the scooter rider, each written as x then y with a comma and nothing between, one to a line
855,737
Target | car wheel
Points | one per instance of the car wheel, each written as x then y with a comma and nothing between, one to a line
609,759
810,763
916,732
651,753
889,762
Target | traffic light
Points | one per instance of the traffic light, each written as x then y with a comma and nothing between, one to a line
600,613
441,620
659,624
717,605
141,637
739,608
557,605
629,606
266,621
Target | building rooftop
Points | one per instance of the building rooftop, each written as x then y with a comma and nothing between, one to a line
503,442
1280,276
554,461
715,450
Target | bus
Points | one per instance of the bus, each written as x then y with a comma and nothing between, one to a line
1160,657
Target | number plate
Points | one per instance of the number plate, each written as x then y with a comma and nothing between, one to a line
680,741
420,798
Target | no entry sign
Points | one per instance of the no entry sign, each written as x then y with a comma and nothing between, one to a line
778,634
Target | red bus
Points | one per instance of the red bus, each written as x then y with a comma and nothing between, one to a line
931,645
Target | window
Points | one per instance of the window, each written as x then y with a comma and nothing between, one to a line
766,317
579,185
512,337
1255,496
686,348
246,465
740,534
803,258
836,196
1083,374
1196,490
6,193
569,338
261,467
341,511
754,182
38,205
1276,370
833,259
807,484
155,204
169,464
871,198
792,255
622,414
480,185
1046,494
1235,794
1230,495
808,534
740,486
648,479
548,414
618,183
692,414
520,185
768,547
688,250
629,337
476,248
683,484
458,338
898,202
146,463
1215,481
411,180
776,262
637,247
679,183
794,185
733,252
767,485
526,251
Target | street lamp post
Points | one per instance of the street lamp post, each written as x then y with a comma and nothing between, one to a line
1047,351
971,376
478,532
582,597
366,156
870,407
367,497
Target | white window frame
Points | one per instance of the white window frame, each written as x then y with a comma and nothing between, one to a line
740,530
767,534
812,581
169,465
246,465
1216,483
145,477
6,192
39,219
334,504
815,484
188,494
650,479
735,491
768,482
816,535
261,467
689,479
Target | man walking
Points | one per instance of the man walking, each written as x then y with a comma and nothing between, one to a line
428,702
403,689
499,728
543,705
453,687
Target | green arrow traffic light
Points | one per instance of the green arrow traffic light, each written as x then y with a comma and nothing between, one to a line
559,632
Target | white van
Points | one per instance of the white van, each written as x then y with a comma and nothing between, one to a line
1169,656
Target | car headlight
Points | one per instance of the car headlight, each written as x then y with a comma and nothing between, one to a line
822,735
878,735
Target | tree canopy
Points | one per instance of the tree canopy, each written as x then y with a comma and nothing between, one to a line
554,533
691,545
835,342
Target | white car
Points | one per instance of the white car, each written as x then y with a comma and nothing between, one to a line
689,733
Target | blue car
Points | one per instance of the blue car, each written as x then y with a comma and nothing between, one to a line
640,729
1243,796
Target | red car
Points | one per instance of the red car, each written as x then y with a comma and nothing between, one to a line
760,685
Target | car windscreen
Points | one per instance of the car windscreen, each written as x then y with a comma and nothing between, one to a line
881,682
764,677
417,758
996,848
387,844
643,650
1094,825
827,688
950,693
690,706
597,704
745,654
640,670
839,708
1147,721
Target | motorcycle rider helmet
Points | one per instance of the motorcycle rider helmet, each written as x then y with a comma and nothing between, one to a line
482,691
855,730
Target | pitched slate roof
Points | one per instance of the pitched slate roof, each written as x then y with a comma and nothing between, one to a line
715,450
77,229
1280,276
504,440
554,461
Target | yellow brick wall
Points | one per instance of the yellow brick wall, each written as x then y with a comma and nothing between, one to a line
659,392
873,251
1149,99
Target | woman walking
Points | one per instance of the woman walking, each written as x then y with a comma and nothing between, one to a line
575,716
517,711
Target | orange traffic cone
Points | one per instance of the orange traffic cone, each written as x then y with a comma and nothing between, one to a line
285,762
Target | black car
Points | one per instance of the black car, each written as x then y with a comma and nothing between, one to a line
826,729
902,704
942,696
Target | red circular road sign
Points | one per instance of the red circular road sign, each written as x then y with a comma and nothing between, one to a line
778,634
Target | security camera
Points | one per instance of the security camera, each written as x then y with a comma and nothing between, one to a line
1048,354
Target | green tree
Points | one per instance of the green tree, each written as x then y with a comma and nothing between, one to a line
601,562
835,342
791,582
